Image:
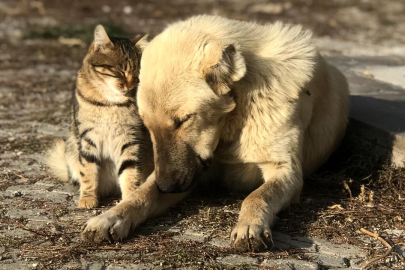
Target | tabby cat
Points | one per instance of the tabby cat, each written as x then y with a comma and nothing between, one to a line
108,149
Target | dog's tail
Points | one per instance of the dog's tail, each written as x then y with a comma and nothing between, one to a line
56,161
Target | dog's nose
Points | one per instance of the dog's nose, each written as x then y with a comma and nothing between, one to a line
205,162
169,189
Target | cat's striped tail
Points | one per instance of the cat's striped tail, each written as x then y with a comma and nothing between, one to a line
56,161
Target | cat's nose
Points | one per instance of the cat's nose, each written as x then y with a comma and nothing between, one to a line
131,83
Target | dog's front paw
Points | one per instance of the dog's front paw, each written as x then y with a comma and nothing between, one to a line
106,227
251,237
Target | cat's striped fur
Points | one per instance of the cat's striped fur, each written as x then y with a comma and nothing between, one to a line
108,149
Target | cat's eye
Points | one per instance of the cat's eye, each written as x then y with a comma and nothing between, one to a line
107,70
108,67
178,122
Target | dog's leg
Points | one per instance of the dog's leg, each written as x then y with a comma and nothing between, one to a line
281,186
137,206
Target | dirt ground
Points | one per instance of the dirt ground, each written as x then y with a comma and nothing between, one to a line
42,44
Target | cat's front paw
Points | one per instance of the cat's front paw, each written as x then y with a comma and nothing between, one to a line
87,202
106,227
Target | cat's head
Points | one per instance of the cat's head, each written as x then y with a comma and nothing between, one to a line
112,64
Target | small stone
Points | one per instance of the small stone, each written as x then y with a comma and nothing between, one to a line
127,10
327,260
368,74
395,232
192,235
270,8
45,183
106,9
342,251
283,264
357,263
284,241
14,265
95,266
140,266
72,265
220,242
237,259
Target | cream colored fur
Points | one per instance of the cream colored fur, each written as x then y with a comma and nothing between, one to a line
263,103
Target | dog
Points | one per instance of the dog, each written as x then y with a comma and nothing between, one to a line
255,106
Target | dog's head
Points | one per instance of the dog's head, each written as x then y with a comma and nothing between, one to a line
183,96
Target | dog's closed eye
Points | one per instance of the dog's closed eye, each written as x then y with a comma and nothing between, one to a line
178,122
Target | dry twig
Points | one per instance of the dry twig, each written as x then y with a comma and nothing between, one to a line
376,236
346,186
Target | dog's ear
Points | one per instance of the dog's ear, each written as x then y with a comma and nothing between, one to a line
141,41
229,68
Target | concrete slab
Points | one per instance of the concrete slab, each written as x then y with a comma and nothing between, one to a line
377,101
330,46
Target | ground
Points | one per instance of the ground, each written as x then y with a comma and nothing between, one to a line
42,45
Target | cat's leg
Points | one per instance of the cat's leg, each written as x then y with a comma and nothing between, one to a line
89,166
115,224
132,168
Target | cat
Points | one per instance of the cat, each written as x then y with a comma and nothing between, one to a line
109,149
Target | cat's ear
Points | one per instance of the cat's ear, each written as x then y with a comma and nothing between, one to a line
141,41
101,39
